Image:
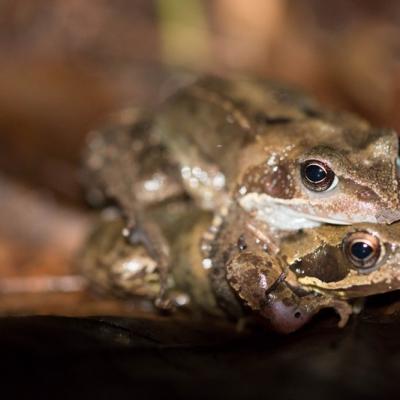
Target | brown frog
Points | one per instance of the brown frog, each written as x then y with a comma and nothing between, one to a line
240,275
243,144
288,280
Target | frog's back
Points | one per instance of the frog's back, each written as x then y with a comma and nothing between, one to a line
209,122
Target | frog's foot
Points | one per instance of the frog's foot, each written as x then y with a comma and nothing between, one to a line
260,280
147,235
288,312
124,268
344,310
313,304
142,275
253,277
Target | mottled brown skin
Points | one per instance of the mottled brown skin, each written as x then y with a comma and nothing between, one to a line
364,165
256,134
238,144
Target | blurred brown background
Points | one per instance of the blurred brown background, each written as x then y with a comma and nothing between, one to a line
65,65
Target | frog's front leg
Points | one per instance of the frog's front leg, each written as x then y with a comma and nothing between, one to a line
260,280
114,264
126,164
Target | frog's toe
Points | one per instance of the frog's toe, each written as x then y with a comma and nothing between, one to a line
344,310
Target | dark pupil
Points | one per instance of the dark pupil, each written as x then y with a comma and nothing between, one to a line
361,250
315,173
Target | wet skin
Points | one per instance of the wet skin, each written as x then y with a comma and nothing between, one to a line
236,147
252,141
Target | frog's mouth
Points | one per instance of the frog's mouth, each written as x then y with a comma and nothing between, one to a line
280,214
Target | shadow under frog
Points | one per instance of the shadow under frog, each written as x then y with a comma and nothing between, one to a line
248,144
238,275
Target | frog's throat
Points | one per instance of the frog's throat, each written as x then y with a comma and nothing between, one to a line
278,213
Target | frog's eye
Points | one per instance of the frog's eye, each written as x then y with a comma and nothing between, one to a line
317,176
362,249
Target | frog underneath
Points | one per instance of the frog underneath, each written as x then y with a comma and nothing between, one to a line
241,276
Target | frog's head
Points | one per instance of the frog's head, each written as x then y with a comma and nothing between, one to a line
348,261
315,269
320,173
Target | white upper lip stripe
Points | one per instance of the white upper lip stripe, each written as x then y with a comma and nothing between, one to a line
311,217
325,220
